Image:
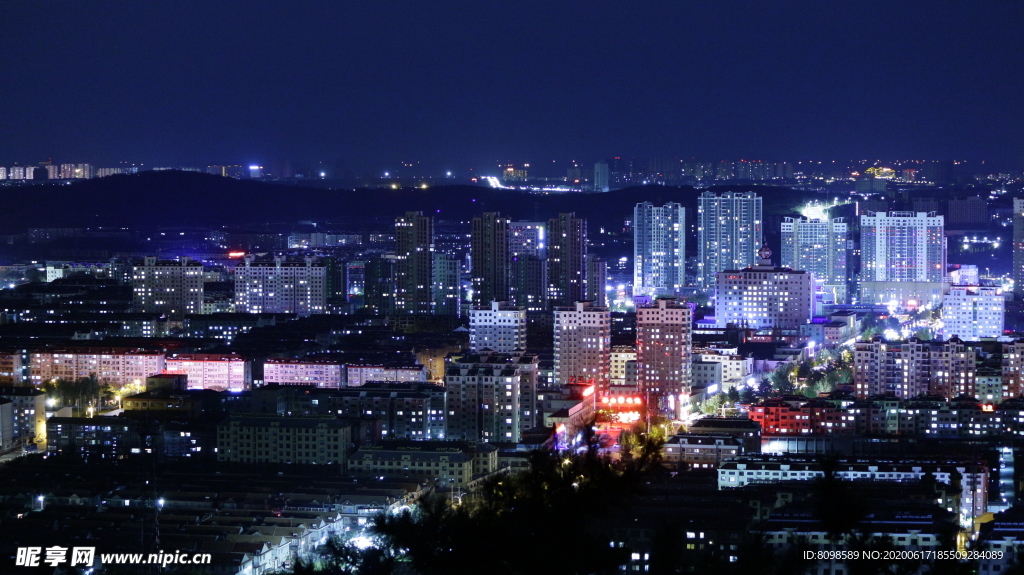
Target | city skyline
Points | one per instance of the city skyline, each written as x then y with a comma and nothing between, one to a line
398,287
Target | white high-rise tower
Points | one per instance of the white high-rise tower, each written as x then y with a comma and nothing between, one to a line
729,232
659,249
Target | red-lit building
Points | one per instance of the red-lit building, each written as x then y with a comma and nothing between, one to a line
798,416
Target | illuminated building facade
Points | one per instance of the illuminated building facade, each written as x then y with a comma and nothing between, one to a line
567,248
583,344
902,247
729,231
446,287
414,247
491,397
489,252
623,365
222,372
596,280
281,286
172,288
111,365
28,405
764,296
973,312
659,249
499,327
528,272
1018,247
357,375
1013,369
942,368
405,411
303,372
664,343
75,171
817,246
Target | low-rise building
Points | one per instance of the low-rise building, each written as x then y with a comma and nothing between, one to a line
359,374
228,326
101,438
443,463
912,528
289,440
699,451
972,476
116,366
228,372
748,432
404,414
29,410
327,374
186,402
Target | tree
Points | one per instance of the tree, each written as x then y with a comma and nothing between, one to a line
780,379
712,405
82,393
734,395
525,518
748,395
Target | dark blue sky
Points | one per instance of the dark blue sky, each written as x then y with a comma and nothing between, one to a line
468,83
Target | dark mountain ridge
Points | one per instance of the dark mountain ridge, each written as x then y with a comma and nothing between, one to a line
174,198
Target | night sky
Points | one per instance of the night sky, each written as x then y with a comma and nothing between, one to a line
458,84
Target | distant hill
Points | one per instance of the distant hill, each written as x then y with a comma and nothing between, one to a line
173,198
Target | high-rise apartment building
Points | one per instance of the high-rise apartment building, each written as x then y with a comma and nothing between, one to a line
902,247
659,249
281,286
414,249
75,171
729,232
1018,247
489,253
596,280
583,344
970,211
764,296
602,177
446,287
174,288
379,291
528,278
973,312
528,239
818,246
915,367
664,343
567,248
1013,369
499,327
623,365
491,397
